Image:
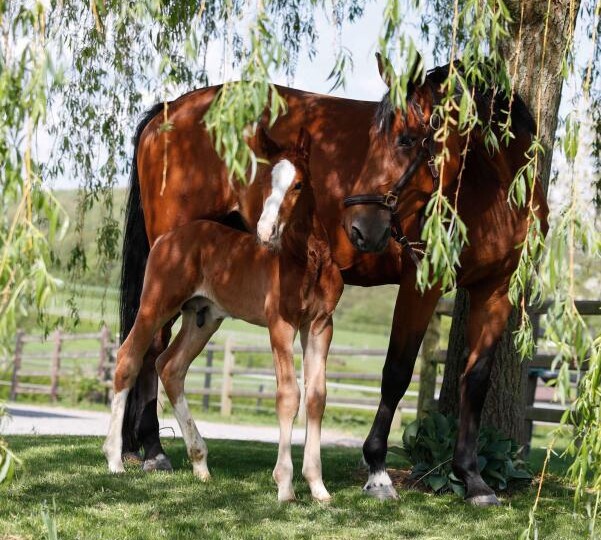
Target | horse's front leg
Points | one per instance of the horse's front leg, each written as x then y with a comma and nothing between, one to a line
412,313
316,339
287,401
489,310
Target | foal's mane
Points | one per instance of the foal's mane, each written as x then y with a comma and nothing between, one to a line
521,118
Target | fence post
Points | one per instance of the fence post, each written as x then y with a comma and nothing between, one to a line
427,375
207,386
260,399
16,365
105,339
226,384
56,365
302,410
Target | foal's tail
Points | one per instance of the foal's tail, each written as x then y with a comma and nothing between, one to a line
134,256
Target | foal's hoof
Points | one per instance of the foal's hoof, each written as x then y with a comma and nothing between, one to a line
159,463
382,493
483,500
132,458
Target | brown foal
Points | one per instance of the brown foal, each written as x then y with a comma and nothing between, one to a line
284,279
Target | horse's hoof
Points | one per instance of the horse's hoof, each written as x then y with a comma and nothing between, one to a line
132,458
483,500
159,463
116,467
382,493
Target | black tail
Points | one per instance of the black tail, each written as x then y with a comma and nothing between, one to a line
134,256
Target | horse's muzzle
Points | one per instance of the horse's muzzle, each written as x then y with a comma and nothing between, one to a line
368,231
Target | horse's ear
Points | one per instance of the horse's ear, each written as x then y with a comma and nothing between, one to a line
267,145
303,143
386,70
417,74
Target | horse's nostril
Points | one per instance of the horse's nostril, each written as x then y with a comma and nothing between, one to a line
356,233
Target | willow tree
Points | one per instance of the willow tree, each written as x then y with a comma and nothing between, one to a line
89,63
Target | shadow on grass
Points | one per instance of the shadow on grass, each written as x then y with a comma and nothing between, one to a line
240,501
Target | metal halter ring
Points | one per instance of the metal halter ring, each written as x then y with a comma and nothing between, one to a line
390,200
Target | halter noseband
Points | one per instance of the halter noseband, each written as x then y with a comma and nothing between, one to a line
389,200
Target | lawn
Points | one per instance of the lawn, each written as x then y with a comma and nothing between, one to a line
240,501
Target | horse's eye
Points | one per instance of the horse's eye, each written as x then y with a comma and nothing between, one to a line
298,185
406,141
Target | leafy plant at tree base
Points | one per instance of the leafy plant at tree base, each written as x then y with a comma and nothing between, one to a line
428,446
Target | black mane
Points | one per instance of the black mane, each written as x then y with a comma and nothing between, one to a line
521,118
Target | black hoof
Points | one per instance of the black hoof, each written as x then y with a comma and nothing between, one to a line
159,463
132,458
382,493
483,500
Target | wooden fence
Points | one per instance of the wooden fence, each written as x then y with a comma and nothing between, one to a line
98,363
539,366
220,381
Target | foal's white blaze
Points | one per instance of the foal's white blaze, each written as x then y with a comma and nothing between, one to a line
282,176
112,445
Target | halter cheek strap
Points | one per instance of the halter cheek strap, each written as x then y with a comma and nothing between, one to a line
389,200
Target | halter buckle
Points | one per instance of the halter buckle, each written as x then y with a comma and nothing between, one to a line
433,167
389,200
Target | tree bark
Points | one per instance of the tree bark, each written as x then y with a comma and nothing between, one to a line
538,81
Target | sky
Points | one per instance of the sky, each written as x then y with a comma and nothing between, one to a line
363,82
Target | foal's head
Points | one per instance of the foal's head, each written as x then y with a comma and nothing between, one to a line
288,179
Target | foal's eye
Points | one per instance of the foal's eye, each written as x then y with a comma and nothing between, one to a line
297,186
406,141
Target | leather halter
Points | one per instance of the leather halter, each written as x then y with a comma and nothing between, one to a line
389,200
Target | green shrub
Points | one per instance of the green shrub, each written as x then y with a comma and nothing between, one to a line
428,446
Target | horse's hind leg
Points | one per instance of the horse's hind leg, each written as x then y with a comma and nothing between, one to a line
489,311
141,424
286,402
173,365
129,362
316,343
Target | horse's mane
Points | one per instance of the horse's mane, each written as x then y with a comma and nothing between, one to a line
521,118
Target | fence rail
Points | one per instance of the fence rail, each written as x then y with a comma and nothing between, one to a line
222,375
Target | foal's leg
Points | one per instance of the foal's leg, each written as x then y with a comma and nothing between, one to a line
287,402
172,366
316,341
489,311
129,361
411,316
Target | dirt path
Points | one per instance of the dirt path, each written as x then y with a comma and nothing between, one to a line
40,420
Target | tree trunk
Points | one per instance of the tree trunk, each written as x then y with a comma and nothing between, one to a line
505,404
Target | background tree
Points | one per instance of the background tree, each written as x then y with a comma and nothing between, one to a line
534,53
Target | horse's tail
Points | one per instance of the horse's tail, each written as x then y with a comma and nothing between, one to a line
134,255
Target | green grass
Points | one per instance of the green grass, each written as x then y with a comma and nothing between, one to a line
240,501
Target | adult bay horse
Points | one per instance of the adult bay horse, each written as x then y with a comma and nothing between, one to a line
355,152
287,281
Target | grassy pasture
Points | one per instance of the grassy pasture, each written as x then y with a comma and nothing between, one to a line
240,501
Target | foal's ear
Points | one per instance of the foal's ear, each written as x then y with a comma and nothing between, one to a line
386,70
303,143
267,145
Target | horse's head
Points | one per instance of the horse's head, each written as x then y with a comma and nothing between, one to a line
289,178
398,176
